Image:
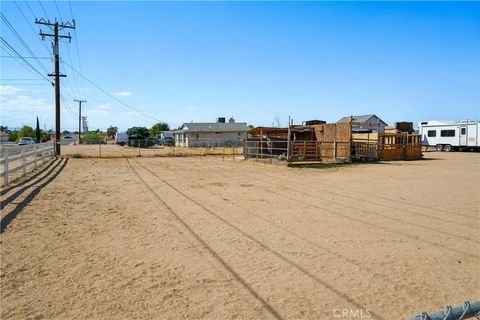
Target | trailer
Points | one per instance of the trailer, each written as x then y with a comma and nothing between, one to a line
450,135
121,138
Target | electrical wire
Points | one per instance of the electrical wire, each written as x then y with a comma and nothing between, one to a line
14,31
43,9
25,57
31,28
26,64
110,95
76,46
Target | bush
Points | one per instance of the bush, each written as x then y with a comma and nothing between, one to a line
92,137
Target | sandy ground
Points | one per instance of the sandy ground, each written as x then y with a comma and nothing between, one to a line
113,150
202,238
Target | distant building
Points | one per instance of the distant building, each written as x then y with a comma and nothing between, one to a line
365,123
3,136
201,134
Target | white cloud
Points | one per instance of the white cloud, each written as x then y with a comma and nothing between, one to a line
23,109
9,90
124,93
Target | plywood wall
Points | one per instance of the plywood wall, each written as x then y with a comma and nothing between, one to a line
334,138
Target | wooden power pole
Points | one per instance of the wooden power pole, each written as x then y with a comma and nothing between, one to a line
56,52
79,119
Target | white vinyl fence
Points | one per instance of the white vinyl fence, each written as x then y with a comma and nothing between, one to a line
22,159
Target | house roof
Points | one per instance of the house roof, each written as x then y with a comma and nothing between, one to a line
3,134
361,119
214,127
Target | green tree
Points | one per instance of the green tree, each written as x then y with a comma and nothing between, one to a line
111,132
13,136
92,137
45,136
138,132
26,131
3,128
65,132
157,128
37,132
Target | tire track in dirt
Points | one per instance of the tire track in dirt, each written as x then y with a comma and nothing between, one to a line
265,247
348,217
279,241
370,212
177,217
347,195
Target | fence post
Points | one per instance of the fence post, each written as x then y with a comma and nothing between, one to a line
233,152
35,156
5,167
100,150
24,169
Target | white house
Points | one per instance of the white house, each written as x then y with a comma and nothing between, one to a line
215,134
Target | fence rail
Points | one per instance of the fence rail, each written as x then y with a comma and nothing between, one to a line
467,311
16,158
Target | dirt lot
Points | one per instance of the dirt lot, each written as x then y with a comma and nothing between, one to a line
113,150
202,238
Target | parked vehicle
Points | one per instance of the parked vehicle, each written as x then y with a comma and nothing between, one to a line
25,141
151,142
166,141
121,138
450,135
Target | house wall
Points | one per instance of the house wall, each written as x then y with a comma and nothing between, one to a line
214,139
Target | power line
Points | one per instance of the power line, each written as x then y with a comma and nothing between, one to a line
25,57
26,63
30,84
43,9
111,96
30,8
14,31
31,28
58,11
76,46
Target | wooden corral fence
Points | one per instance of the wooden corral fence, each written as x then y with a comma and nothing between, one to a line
399,146
329,142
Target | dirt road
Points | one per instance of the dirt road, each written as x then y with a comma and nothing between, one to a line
202,238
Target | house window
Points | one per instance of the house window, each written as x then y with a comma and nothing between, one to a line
464,131
432,133
197,136
447,133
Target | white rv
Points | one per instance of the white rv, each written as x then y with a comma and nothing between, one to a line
450,135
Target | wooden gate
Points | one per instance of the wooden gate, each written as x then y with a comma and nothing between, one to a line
305,150
399,146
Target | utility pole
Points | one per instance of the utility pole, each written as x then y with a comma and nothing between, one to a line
56,52
79,119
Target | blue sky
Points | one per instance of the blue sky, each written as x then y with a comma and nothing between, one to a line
255,61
